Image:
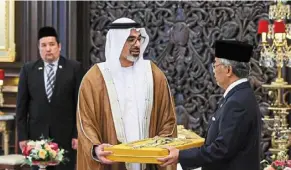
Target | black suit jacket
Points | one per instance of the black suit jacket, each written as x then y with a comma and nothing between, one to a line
35,115
233,138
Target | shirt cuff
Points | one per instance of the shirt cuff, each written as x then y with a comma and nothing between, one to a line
93,153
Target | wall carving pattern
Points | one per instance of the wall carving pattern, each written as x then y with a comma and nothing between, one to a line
182,35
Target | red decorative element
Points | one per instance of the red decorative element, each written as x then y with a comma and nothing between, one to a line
263,26
279,163
54,146
279,27
49,163
26,150
2,74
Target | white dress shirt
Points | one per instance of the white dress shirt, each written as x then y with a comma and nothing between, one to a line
46,70
232,85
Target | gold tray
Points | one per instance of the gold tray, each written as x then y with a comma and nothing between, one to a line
148,150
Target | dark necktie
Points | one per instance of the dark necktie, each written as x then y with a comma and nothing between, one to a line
50,81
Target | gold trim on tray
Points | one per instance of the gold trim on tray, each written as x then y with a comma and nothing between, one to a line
148,150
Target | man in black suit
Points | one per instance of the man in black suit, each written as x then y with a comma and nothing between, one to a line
233,138
47,97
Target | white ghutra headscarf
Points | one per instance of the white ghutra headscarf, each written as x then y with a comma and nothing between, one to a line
142,73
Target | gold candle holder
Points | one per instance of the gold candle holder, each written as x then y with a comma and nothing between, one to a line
275,52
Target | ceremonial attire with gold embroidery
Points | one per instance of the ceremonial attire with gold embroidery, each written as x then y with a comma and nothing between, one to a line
120,105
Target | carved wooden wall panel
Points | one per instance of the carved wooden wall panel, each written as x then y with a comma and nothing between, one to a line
182,35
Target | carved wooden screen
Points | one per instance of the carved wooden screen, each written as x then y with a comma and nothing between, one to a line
182,35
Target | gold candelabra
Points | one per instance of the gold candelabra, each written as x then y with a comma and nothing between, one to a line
276,52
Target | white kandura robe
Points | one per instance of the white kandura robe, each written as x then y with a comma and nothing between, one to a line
132,118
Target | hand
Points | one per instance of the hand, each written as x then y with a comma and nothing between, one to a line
172,158
22,144
101,154
75,143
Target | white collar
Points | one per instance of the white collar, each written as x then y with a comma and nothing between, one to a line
55,63
232,85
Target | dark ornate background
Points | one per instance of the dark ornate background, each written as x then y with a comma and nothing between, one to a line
181,40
